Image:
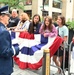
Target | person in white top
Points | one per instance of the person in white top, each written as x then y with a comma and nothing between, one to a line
23,24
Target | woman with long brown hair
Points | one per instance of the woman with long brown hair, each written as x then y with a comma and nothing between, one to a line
48,29
35,24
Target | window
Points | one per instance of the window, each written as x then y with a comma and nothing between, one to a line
27,2
44,13
55,15
29,12
46,2
57,3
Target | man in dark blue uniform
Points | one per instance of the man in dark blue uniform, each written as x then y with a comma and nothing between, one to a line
7,51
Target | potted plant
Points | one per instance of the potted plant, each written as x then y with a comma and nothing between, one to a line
70,25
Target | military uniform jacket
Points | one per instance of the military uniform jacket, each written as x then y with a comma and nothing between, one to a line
6,51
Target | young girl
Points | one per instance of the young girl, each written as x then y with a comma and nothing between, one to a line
62,32
48,29
35,24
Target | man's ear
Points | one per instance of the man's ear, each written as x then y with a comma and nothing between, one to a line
1,17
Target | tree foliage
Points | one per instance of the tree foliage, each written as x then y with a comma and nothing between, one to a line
13,3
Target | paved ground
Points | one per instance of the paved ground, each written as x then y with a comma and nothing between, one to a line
18,71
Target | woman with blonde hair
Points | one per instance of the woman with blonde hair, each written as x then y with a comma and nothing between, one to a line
23,24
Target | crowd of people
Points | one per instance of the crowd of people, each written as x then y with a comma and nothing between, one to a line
22,24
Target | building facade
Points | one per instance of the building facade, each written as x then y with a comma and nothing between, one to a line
50,7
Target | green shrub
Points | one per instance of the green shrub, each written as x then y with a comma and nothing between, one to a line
70,25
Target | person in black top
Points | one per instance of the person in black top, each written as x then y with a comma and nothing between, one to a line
13,21
35,24
55,24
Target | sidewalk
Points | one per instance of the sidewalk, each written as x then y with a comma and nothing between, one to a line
53,70
18,71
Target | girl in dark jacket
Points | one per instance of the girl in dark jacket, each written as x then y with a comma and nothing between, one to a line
35,24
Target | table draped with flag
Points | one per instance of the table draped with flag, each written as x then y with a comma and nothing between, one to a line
32,47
